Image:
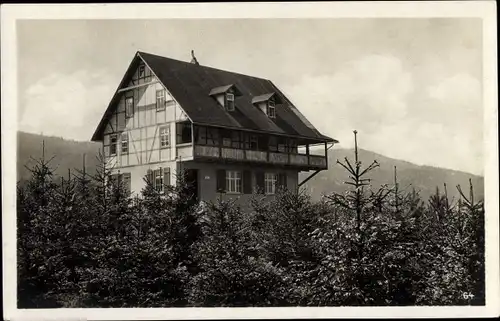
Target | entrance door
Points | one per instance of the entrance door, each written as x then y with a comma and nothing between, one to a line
192,181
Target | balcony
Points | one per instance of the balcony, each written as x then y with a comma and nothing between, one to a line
301,161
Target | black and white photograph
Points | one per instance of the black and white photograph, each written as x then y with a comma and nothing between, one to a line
294,160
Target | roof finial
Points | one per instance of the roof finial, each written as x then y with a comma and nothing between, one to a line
194,60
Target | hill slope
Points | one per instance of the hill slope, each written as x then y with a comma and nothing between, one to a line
66,153
69,154
423,178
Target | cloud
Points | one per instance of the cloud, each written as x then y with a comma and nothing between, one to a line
457,103
67,105
377,95
459,94
365,94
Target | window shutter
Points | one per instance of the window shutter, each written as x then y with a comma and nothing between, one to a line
282,180
113,179
247,182
128,183
159,173
221,181
119,180
259,179
149,176
166,177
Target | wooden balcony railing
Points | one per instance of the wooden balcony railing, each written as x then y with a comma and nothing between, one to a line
236,154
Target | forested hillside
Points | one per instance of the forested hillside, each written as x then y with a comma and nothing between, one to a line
66,153
425,179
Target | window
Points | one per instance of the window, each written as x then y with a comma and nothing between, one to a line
141,71
124,140
236,140
127,182
230,102
129,107
113,145
158,180
226,138
213,136
183,132
270,180
201,135
160,99
271,109
164,136
273,145
281,145
253,142
233,181
292,146
122,181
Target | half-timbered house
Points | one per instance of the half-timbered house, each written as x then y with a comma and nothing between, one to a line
227,132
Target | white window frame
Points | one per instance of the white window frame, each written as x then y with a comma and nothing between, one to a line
270,183
230,98
271,107
160,99
129,108
164,136
234,182
111,144
124,143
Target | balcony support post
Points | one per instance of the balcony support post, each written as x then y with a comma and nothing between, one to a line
220,142
326,155
307,153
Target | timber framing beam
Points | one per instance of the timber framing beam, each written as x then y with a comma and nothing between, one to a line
138,86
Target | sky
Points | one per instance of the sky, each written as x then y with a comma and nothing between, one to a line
412,88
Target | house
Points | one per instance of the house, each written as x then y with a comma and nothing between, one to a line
227,132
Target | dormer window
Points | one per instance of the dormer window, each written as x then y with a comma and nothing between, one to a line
267,103
225,96
230,102
271,109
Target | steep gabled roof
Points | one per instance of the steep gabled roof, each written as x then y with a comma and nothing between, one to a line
191,85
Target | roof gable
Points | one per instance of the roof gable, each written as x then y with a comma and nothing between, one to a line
224,89
131,69
266,97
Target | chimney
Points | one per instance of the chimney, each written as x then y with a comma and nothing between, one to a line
194,60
